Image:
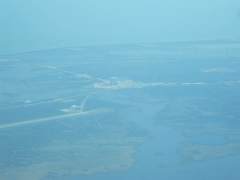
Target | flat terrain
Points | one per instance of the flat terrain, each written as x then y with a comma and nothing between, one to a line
145,111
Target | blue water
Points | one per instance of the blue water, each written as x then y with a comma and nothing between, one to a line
159,111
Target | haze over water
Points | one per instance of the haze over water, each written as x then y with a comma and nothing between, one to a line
33,25
102,90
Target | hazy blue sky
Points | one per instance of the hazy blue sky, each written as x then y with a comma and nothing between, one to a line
38,24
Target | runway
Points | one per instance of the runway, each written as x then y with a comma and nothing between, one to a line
52,118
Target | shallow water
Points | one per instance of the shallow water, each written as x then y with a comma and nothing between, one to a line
121,112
